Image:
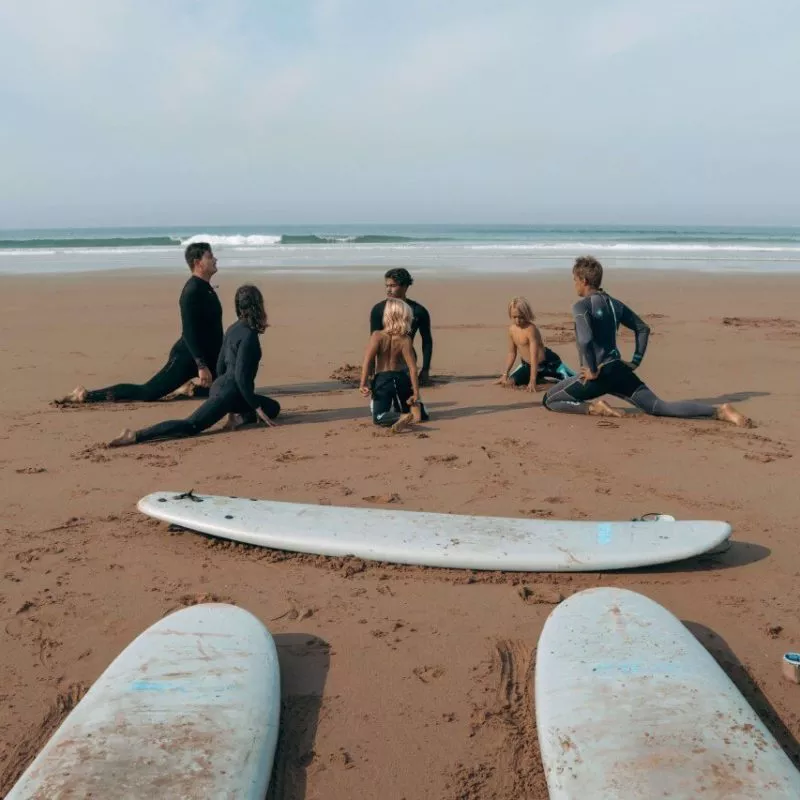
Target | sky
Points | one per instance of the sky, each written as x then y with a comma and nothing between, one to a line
128,112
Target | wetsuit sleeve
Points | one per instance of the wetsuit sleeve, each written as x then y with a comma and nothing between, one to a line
583,336
640,329
376,318
191,324
424,319
247,358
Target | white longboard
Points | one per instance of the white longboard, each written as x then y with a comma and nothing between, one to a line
437,540
189,709
630,706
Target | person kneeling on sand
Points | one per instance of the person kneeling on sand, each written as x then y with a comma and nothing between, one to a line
233,392
388,355
597,316
193,358
524,338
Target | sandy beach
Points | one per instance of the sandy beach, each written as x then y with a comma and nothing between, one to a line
399,682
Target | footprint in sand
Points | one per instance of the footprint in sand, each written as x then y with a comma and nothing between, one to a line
426,674
383,499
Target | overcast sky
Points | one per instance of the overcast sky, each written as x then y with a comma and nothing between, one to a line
164,112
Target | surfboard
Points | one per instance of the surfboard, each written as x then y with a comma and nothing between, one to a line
189,709
437,540
630,706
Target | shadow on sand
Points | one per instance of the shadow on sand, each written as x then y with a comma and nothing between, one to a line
739,554
744,682
733,397
333,386
304,662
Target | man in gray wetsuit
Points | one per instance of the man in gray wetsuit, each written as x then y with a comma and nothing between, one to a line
597,316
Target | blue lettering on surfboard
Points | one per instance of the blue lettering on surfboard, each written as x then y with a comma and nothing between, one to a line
604,533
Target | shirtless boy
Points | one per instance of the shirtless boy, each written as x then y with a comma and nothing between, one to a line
390,357
524,338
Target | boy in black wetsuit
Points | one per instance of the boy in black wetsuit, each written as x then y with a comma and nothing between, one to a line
597,316
233,392
193,356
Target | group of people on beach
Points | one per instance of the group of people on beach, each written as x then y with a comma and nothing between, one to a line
204,363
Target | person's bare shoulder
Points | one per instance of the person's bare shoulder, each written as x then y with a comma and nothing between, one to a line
535,333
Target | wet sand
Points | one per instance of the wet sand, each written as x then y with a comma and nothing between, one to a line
399,682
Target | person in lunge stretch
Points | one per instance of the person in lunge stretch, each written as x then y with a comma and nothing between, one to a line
597,316
193,356
397,283
390,357
524,338
233,392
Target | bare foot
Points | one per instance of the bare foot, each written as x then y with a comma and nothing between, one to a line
77,395
234,421
187,390
727,413
125,438
403,424
599,408
416,412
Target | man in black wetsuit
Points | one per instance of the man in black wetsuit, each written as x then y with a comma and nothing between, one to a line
597,316
194,355
398,281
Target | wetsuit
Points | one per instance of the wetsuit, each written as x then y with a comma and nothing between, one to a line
199,346
597,318
232,392
420,321
390,389
551,368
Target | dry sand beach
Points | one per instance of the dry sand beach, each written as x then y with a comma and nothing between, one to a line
398,682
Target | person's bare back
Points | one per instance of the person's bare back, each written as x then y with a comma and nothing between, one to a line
393,353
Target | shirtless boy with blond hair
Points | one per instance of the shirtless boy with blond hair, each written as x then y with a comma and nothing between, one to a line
525,339
388,355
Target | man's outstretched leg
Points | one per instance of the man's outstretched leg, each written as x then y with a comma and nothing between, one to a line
647,401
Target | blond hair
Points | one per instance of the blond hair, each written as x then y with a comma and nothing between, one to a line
524,308
397,316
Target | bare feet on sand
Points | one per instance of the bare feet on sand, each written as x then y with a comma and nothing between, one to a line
416,413
234,421
126,437
187,390
727,413
403,424
599,408
77,395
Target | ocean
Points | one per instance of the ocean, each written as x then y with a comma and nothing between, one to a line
444,250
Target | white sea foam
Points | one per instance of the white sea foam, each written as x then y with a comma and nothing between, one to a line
253,240
643,247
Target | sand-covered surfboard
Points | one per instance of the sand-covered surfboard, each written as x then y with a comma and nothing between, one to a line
190,709
630,706
438,540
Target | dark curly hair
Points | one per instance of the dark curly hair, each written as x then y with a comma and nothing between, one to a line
589,269
402,277
250,307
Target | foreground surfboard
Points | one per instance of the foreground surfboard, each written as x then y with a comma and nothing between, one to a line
437,540
630,706
188,710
